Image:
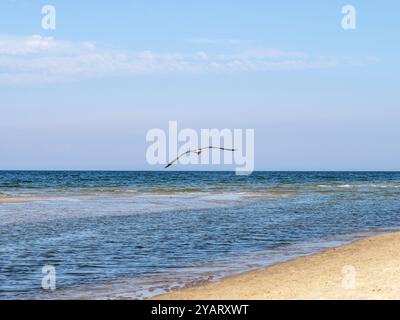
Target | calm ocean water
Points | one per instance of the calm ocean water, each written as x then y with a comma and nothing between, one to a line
137,234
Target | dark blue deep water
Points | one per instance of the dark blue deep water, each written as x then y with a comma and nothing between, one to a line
137,234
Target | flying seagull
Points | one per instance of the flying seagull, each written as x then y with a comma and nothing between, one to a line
198,152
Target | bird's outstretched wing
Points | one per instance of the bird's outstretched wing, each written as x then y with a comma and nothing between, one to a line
189,151
220,148
177,158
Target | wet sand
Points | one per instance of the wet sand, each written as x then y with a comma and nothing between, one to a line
365,269
5,201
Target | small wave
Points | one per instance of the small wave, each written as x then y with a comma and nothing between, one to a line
359,185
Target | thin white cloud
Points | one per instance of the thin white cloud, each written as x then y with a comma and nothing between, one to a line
45,59
37,44
217,41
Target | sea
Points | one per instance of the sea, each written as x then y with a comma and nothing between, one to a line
138,234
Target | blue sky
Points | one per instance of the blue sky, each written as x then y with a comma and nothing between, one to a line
84,95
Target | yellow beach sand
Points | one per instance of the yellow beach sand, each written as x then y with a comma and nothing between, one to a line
365,269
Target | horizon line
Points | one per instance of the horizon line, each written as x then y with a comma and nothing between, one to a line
186,171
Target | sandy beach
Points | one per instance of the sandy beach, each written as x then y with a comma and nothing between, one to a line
365,269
